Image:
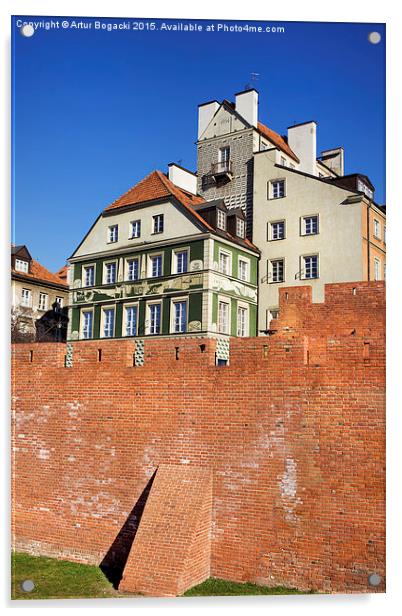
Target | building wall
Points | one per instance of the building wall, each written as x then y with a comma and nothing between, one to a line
29,315
293,430
338,243
227,130
374,247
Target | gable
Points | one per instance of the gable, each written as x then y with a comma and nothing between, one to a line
223,123
177,223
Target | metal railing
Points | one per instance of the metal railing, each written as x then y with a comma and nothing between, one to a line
221,167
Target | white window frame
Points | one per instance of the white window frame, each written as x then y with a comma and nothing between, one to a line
271,188
82,322
176,252
155,227
220,219
303,266
229,261
247,263
173,301
84,268
224,154
377,268
124,321
43,305
303,227
59,300
227,302
240,227
26,300
271,224
245,307
102,323
112,230
132,223
149,264
127,267
22,266
148,318
105,264
271,270
377,229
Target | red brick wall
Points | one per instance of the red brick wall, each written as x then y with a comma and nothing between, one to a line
292,431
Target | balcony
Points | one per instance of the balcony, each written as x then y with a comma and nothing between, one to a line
222,169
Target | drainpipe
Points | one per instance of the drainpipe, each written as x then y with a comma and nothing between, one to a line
368,241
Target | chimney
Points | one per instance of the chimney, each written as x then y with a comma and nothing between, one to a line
302,139
206,112
247,106
182,178
334,159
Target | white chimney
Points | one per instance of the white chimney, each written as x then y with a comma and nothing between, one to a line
247,106
334,159
302,139
206,112
182,178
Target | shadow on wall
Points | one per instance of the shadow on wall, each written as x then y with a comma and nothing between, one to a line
116,557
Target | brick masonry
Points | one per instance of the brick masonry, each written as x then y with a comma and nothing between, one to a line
292,432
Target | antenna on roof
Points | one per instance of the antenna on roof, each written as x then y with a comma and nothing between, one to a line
253,78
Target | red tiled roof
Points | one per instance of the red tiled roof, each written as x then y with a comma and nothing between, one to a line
62,273
40,273
277,140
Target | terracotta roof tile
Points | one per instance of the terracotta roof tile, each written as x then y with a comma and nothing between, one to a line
40,273
277,140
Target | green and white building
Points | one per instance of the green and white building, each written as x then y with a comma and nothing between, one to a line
162,261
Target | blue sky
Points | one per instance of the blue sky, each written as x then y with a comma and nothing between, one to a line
95,111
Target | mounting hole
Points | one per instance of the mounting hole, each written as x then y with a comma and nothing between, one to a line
374,38
27,30
27,585
374,579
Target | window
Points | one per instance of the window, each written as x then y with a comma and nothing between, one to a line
309,225
133,269
240,227
224,154
377,269
59,301
180,260
89,275
110,272
241,321
155,318
224,263
277,189
277,270
277,230
377,229
113,233
26,297
179,317
135,229
43,301
310,267
223,317
283,161
131,320
155,266
243,269
108,322
87,324
157,223
221,219
21,266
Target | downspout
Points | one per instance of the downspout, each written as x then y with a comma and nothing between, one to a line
368,241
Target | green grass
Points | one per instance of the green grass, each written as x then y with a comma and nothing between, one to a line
57,579
61,579
217,587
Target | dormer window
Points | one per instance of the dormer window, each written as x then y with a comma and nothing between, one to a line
221,220
240,227
21,266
